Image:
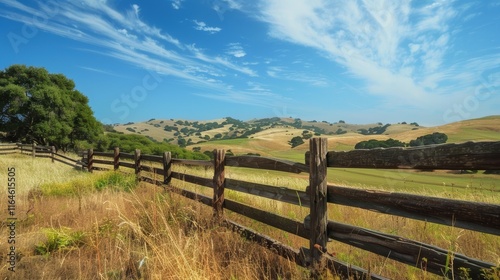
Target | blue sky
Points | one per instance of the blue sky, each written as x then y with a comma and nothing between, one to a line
432,62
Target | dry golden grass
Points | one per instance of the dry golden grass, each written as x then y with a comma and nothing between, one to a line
157,133
175,238
265,147
481,246
111,233
33,172
274,141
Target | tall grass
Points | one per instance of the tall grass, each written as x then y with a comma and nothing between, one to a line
33,172
98,226
103,226
473,244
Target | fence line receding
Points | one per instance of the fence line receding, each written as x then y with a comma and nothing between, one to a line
316,227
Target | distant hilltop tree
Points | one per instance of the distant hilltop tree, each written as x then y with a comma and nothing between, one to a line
374,130
429,139
46,108
340,131
296,141
373,143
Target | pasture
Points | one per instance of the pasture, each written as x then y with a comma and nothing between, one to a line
139,222
69,228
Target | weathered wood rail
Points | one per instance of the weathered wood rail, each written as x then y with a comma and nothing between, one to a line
316,228
479,217
39,151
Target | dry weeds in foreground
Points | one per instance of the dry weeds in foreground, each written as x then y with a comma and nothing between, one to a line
109,234
67,231
144,234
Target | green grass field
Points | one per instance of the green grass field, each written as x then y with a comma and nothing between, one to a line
106,222
95,223
474,134
477,187
106,225
239,142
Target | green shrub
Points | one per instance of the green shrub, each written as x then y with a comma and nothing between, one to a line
108,180
71,188
429,139
59,239
373,143
115,181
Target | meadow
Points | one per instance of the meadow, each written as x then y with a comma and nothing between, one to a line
104,225
77,225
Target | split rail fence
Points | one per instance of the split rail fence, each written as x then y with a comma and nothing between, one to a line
316,227
39,151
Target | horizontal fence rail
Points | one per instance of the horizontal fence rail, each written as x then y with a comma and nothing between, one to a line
282,194
407,251
480,217
258,162
464,156
474,216
39,151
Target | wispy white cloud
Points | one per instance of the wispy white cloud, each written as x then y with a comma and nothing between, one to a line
127,34
99,71
236,50
290,75
198,53
221,6
130,20
22,7
258,87
233,4
176,4
124,36
397,48
261,98
200,25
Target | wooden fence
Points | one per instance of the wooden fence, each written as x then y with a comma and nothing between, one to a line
316,227
39,151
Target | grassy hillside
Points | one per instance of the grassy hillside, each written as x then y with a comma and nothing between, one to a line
104,225
271,136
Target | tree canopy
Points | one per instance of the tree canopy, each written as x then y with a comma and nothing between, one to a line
373,143
129,142
296,141
38,106
429,139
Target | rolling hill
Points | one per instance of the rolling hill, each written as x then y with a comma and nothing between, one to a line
271,136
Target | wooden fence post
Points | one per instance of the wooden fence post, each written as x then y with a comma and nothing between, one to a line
33,149
137,158
116,158
52,153
90,159
318,201
218,183
167,167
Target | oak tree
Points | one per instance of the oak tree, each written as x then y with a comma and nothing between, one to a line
46,108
